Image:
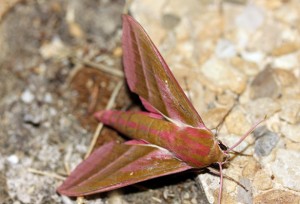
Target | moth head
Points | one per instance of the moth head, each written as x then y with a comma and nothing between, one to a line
224,148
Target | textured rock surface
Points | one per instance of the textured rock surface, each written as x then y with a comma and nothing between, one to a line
285,168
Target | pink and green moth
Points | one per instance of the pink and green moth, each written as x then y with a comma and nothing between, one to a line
169,137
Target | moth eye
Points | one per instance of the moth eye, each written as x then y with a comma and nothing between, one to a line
222,146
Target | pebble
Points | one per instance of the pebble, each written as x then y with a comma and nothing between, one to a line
245,196
236,122
49,155
236,1
265,38
262,181
285,48
48,98
66,200
276,196
286,168
27,96
13,159
170,21
33,118
251,167
265,85
196,95
52,111
230,186
55,48
285,77
226,197
214,116
247,67
210,186
291,131
288,61
142,11
251,18
226,99
253,56
265,141
225,49
2,163
115,197
288,13
292,145
290,111
222,76
261,107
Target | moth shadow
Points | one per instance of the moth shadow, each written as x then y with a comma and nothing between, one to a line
153,184
136,103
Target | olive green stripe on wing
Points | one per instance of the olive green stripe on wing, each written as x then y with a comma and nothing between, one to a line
116,165
148,76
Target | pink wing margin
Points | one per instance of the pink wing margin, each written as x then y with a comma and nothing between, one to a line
116,165
149,76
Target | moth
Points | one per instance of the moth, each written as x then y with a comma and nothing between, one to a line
169,137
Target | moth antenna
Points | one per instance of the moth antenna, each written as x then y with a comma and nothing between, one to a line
221,182
245,135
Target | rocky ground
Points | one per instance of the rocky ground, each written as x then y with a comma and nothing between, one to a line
60,61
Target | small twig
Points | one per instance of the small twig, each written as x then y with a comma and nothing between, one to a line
94,97
66,160
45,173
67,168
109,105
74,71
156,199
79,64
100,126
104,68
94,140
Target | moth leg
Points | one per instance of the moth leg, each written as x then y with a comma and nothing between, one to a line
240,154
221,182
218,173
